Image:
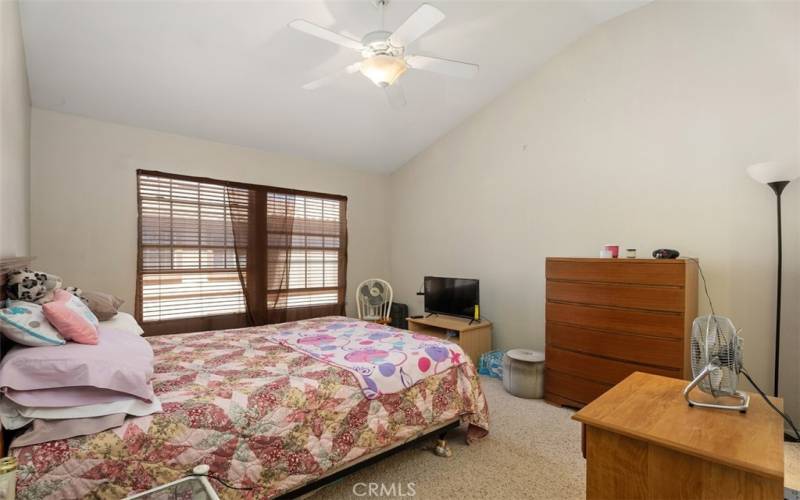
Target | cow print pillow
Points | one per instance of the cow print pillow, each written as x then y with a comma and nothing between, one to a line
32,286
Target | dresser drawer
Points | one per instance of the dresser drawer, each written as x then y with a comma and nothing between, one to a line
670,273
668,325
669,298
663,352
607,371
572,388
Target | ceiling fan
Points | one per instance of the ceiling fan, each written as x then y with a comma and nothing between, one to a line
384,53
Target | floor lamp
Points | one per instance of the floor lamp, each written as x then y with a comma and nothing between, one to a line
777,176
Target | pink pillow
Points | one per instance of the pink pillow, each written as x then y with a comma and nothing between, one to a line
73,320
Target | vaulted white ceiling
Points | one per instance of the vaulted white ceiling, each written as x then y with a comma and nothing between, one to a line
232,71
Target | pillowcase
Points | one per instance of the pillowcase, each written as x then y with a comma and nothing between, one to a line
14,416
124,322
43,431
120,361
25,323
31,286
60,397
103,305
73,320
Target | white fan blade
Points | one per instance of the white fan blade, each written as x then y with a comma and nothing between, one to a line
326,34
417,24
395,95
353,68
444,66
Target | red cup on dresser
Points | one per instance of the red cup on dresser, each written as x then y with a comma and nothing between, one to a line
612,250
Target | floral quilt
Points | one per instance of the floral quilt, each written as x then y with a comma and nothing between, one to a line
383,359
261,415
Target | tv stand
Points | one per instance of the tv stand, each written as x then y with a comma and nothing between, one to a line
474,338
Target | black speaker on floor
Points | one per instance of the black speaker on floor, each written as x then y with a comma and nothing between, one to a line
399,314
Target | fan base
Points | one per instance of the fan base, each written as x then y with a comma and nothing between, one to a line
741,396
744,399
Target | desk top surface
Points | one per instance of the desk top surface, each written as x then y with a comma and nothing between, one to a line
652,408
450,322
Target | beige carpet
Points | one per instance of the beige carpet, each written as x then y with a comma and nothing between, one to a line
533,451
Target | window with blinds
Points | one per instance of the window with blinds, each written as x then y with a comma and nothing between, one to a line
211,248
188,256
305,234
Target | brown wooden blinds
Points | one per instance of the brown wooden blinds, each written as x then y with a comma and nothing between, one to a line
210,248
188,256
304,244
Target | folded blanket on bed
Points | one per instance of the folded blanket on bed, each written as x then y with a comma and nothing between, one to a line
120,361
78,381
383,359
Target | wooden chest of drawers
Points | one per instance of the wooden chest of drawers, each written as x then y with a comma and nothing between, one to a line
607,318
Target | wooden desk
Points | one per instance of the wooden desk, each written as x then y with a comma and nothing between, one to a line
475,339
643,441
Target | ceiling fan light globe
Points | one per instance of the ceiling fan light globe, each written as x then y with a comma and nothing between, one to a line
383,70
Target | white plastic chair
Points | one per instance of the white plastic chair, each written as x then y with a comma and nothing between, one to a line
374,300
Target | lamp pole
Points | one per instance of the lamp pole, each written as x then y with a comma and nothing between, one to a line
778,187
777,176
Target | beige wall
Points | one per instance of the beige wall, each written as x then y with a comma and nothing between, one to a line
84,198
638,134
15,116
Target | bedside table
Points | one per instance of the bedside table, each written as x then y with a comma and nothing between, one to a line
644,441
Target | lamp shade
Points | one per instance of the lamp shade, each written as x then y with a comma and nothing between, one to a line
383,70
773,171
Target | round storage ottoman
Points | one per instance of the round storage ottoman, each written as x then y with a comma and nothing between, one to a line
523,373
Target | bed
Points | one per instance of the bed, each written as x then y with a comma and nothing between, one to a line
263,415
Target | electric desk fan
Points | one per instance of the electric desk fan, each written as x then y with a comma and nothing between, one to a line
716,363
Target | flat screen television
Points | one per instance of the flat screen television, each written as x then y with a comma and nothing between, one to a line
453,296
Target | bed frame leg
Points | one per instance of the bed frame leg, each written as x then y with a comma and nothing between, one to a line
441,449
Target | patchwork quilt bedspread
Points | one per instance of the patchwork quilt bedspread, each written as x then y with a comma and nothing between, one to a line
262,415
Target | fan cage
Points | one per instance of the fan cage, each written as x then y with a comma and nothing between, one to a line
716,345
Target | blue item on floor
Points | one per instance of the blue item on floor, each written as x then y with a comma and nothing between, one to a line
491,364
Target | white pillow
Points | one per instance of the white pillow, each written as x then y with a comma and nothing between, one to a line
123,321
24,323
